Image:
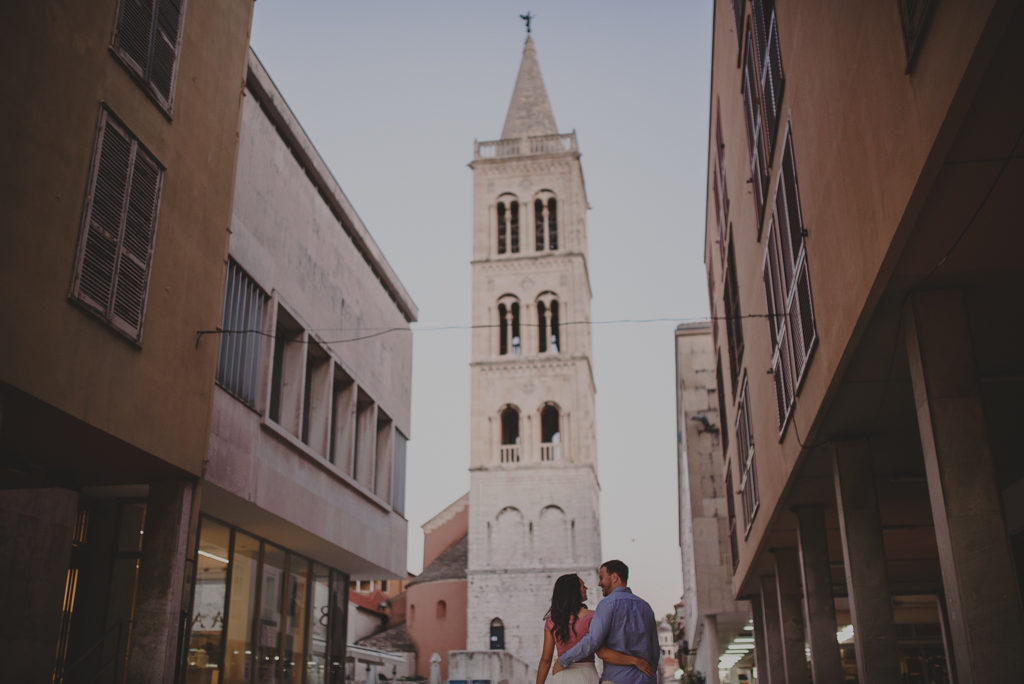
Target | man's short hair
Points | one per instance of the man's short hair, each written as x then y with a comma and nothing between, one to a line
617,567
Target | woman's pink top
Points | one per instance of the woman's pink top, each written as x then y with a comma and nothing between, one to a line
577,629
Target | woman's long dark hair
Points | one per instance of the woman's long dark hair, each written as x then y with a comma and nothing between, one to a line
565,604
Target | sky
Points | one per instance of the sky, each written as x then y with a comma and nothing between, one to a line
394,92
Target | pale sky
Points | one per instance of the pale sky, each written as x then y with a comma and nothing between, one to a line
393,93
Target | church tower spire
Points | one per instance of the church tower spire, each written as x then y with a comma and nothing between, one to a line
534,491
529,112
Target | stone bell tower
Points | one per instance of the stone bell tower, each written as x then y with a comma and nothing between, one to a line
533,467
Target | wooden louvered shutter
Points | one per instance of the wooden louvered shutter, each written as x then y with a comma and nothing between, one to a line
137,245
165,48
147,39
134,30
112,272
107,194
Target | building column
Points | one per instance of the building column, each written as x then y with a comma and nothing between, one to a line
775,672
819,605
867,582
760,647
791,619
986,618
711,646
158,599
36,530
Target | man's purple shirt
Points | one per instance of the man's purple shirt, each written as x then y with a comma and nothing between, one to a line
622,622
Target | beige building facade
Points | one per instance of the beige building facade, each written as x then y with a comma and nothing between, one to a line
199,450
710,618
117,184
861,245
533,501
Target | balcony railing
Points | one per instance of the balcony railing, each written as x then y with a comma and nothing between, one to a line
550,451
508,453
524,147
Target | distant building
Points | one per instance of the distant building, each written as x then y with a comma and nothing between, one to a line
709,617
534,492
863,248
436,598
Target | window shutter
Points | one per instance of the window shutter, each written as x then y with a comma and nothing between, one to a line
137,246
116,244
165,47
105,207
134,28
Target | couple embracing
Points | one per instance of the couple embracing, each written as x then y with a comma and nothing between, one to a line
622,632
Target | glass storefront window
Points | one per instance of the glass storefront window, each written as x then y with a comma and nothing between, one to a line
206,644
245,564
294,641
320,597
268,643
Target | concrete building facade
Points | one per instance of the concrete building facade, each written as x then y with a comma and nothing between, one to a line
861,242
117,187
709,616
533,502
305,482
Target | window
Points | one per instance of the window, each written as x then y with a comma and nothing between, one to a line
720,387
383,458
745,458
721,189
508,224
787,289
238,366
545,213
550,437
147,39
509,340
547,323
737,13
289,360
315,398
734,550
261,612
343,408
115,245
398,475
442,610
509,450
733,319
364,469
497,641
755,132
769,59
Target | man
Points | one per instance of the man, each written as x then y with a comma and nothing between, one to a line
622,622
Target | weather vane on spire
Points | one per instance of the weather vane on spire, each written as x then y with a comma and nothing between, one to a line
526,17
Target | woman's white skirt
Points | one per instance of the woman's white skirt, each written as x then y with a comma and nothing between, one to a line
577,673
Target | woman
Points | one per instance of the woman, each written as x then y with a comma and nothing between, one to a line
566,622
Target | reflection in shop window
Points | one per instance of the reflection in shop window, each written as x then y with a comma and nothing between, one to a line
206,645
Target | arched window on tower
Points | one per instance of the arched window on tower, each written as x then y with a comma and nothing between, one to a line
509,340
545,216
442,610
508,224
508,452
502,227
497,635
550,435
548,334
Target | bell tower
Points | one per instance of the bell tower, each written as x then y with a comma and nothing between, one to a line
534,509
